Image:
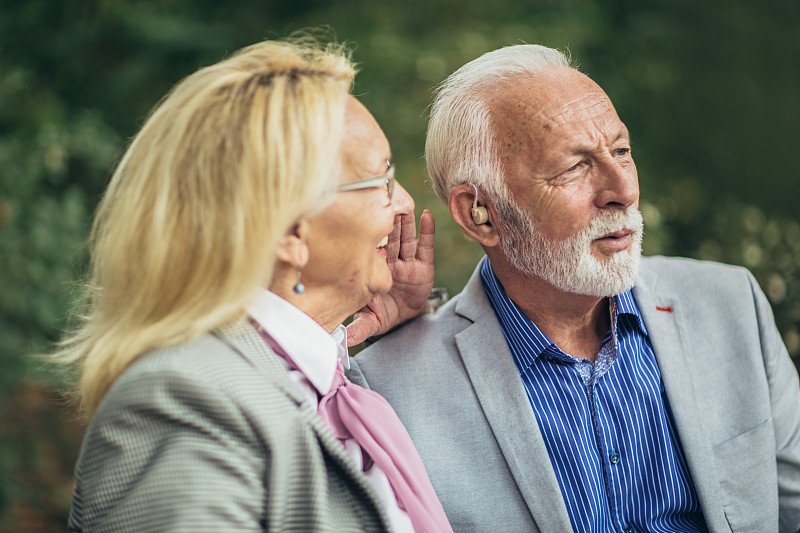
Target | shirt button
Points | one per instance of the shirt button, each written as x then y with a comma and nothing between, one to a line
628,529
614,458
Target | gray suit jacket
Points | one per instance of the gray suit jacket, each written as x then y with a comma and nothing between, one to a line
213,436
732,388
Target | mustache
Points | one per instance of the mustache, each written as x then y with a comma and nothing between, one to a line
614,221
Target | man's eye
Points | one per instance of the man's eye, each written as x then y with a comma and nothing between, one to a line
622,151
573,168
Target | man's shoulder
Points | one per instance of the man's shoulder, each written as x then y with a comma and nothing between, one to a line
428,335
687,274
444,323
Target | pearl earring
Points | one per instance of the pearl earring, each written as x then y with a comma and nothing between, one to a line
299,288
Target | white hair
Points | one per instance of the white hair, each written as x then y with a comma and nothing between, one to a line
461,142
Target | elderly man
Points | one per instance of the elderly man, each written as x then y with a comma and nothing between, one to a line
571,385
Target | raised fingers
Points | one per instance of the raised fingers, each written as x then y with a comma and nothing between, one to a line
408,237
393,247
427,231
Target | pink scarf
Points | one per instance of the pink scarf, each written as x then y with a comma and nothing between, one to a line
354,412
364,415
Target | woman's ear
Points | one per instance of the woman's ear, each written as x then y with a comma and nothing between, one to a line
475,215
293,247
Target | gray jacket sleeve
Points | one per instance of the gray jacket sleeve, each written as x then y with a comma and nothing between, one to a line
785,399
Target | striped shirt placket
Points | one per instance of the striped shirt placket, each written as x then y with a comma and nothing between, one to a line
607,426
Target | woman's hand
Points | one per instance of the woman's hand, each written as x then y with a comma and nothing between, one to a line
411,263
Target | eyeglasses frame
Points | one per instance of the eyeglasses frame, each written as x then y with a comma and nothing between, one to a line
386,180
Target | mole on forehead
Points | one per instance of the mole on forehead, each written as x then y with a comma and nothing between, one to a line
586,107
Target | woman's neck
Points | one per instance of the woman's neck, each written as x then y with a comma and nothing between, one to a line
325,309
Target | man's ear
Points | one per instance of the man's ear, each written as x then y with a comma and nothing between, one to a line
462,201
292,247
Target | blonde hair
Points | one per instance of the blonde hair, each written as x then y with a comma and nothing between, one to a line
188,226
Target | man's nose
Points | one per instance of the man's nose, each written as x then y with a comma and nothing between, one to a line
618,184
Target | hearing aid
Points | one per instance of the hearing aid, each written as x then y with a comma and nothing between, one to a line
479,213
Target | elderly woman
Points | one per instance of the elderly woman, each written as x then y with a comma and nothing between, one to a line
254,211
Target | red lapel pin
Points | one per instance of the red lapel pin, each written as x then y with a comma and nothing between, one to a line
667,309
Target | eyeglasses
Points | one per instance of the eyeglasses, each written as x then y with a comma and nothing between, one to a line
384,180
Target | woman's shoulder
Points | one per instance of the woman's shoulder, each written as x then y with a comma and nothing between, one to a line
202,392
205,355
178,417
206,373
206,361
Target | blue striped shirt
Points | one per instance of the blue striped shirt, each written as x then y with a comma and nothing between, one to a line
607,426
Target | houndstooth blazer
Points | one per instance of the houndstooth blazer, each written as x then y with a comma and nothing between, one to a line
213,436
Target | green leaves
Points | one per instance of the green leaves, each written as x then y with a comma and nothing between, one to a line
708,91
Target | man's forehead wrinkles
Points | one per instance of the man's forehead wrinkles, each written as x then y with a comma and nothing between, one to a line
586,107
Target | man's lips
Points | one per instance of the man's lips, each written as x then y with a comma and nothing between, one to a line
617,234
617,241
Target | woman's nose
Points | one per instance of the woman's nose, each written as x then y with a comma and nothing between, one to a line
402,203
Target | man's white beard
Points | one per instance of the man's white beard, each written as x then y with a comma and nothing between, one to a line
569,265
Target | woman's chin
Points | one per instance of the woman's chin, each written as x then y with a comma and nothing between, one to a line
380,284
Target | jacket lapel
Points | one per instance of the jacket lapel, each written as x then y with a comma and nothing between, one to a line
244,338
667,327
502,396
501,393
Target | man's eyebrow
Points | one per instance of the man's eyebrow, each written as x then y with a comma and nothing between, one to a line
622,133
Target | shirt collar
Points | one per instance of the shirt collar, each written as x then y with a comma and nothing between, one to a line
313,350
522,335
626,305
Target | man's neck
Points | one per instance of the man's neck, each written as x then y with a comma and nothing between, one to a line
576,323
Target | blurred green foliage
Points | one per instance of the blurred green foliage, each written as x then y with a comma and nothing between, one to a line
708,90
